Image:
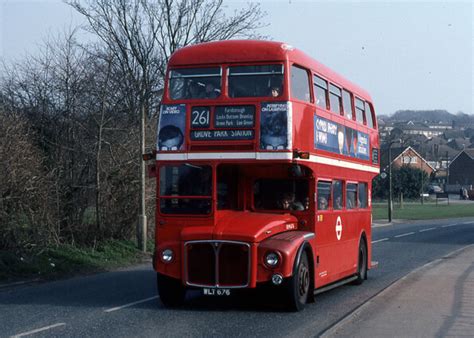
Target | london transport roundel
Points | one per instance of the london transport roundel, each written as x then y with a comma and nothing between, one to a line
338,228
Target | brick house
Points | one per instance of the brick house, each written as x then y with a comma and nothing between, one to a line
461,168
406,156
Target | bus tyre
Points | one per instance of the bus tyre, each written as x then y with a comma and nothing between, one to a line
170,290
298,285
361,263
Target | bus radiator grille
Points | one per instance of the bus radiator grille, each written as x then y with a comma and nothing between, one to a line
201,264
218,263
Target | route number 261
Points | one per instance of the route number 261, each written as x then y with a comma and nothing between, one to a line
200,117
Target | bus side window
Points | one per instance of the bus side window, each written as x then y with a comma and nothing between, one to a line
324,195
320,91
337,194
360,110
335,100
300,84
369,114
362,194
348,108
351,195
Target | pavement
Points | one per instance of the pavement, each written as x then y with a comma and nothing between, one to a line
435,300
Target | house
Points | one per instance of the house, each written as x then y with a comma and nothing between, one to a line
418,128
406,156
461,168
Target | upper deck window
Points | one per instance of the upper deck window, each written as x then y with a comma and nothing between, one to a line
321,91
348,108
360,110
335,99
195,83
300,84
369,114
256,81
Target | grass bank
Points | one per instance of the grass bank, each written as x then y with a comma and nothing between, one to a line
65,260
417,211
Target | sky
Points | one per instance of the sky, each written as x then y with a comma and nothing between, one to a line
407,55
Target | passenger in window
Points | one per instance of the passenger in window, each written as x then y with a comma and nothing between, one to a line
288,202
338,203
211,91
350,204
275,91
195,91
322,203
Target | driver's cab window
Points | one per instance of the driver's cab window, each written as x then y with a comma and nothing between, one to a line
281,194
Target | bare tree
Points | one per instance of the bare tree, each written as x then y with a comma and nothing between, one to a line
26,212
143,34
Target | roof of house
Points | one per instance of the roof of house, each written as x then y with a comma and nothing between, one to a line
469,152
396,153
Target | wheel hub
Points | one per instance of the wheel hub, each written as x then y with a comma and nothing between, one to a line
303,280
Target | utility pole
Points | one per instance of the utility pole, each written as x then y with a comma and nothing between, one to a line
142,222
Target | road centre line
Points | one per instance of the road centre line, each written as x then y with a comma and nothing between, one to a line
130,304
449,225
427,229
406,234
380,240
38,330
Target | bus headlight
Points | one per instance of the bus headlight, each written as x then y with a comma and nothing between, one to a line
167,255
272,259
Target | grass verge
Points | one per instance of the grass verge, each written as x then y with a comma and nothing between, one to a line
65,260
416,211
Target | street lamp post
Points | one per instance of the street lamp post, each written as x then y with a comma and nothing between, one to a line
390,204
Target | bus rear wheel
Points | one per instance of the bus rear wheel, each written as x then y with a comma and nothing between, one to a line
362,264
298,286
172,293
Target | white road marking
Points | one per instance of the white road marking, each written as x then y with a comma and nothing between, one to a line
406,234
471,222
38,330
130,304
449,225
427,229
380,240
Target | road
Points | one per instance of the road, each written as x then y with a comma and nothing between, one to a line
124,303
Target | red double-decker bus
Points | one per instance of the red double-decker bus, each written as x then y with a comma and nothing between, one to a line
265,159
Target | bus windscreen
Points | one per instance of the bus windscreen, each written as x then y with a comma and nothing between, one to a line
195,83
256,81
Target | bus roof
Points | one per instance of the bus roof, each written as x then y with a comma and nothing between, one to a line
233,51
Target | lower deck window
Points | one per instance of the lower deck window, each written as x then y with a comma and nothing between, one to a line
351,196
185,189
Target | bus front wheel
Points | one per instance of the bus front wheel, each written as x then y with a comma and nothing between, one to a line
172,293
361,263
298,285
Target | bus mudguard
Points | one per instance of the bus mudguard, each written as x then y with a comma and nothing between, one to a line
289,247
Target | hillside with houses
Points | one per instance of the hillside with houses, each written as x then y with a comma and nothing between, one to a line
436,141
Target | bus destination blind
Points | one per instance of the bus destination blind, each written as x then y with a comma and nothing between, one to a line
235,120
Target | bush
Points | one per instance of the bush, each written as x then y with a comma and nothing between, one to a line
405,180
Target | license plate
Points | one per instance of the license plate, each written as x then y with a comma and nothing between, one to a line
215,292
